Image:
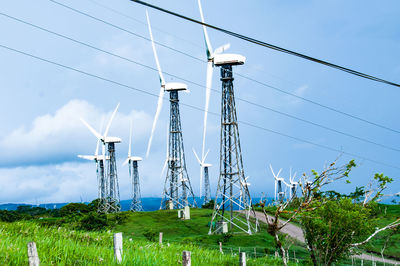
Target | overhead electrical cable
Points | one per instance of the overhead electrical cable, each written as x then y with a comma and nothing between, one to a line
197,84
241,75
271,46
192,106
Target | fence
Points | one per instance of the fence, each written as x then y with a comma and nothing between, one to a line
239,253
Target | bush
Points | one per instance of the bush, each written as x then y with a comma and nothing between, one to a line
73,209
94,222
209,205
150,235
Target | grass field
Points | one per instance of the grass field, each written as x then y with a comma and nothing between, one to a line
60,246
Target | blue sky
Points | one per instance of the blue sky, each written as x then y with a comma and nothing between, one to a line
40,133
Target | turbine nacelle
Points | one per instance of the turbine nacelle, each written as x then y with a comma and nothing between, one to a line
111,140
207,165
175,86
228,59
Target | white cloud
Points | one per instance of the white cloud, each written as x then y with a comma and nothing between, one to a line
59,137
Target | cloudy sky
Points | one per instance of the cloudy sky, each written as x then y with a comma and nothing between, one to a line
41,104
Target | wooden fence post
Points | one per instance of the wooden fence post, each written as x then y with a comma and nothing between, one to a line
118,247
255,252
242,259
220,247
160,238
33,257
186,260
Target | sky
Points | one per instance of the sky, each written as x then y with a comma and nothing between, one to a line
41,104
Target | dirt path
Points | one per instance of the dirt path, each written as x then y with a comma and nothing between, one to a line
295,232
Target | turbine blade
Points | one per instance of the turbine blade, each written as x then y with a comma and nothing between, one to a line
158,111
110,121
207,102
272,170
206,39
206,155
162,80
222,48
197,157
87,157
130,141
96,153
126,161
97,148
94,132
163,169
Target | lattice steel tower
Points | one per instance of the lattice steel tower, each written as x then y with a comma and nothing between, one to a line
113,199
132,161
207,189
232,191
177,187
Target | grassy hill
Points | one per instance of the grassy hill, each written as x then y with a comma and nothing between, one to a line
61,246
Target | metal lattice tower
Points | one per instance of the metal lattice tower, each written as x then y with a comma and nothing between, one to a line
232,193
207,190
103,187
136,204
177,187
113,200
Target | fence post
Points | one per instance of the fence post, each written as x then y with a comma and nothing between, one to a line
242,259
160,238
33,257
118,247
220,247
186,260
255,252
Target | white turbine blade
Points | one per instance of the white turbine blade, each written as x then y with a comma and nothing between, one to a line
126,161
97,148
197,157
162,80
163,169
208,92
272,170
94,132
87,157
130,141
158,111
205,156
98,140
110,121
222,48
280,170
207,40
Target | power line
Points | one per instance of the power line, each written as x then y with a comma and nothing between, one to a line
243,76
191,106
271,46
197,84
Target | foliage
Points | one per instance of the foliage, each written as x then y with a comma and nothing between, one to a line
209,205
74,209
150,235
333,226
94,222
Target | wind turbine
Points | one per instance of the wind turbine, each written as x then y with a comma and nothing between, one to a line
111,202
204,167
293,184
99,160
177,184
230,186
279,194
136,204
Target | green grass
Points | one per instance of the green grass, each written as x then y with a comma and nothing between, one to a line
60,246
195,231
